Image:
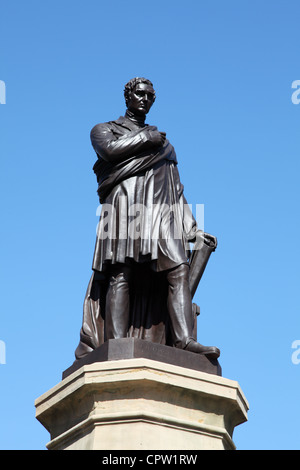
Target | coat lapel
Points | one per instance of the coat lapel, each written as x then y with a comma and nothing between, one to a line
126,123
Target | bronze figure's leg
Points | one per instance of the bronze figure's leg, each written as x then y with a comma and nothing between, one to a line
180,305
181,314
117,309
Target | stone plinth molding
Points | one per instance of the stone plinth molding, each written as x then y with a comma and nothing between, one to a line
141,404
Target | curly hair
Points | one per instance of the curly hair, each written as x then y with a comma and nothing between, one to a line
132,84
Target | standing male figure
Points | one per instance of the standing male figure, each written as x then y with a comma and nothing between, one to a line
137,168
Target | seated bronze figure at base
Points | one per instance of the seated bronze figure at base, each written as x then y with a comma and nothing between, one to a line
141,281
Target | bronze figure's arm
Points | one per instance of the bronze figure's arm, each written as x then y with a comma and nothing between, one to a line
115,149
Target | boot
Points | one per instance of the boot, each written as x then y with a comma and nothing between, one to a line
209,351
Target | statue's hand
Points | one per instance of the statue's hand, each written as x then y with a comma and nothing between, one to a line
163,135
203,237
155,137
210,240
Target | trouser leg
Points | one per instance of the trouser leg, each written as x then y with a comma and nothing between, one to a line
117,302
180,305
181,313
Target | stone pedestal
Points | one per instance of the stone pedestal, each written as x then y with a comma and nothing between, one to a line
138,403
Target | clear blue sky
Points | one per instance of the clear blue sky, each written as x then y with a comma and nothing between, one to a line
224,66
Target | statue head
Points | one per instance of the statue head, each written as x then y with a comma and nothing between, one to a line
139,95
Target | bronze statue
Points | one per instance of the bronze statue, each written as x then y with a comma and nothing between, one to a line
142,267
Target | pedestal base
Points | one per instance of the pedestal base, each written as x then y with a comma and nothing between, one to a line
141,404
132,348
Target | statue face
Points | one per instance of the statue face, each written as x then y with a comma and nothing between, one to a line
141,99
